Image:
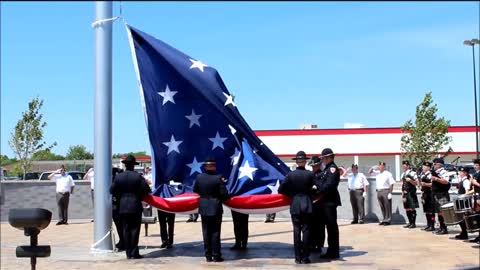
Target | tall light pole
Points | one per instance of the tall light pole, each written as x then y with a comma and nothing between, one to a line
472,43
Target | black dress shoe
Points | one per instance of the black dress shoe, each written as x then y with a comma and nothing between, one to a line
413,226
236,247
137,257
329,256
381,223
475,240
407,226
218,259
208,258
441,231
169,245
430,229
298,261
386,223
59,223
306,261
163,245
461,237
354,222
189,220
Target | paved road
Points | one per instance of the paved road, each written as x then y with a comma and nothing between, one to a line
366,246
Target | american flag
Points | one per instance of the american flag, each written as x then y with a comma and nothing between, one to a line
190,115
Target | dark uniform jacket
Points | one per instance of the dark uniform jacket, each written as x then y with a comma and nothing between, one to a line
298,185
212,191
436,186
327,185
477,177
130,188
406,186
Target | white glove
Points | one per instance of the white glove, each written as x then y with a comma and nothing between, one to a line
364,194
389,196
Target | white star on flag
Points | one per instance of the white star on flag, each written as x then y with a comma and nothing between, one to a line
217,141
246,170
274,188
235,157
167,95
233,130
173,145
229,100
197,64
193,118
195,166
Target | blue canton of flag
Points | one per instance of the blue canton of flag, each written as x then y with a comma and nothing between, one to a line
190,115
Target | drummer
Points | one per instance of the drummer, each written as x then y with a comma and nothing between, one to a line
463,187
440,187
475,181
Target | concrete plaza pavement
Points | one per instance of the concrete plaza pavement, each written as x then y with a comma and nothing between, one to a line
363,246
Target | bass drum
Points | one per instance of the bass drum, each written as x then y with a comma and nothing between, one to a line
473,223
449,214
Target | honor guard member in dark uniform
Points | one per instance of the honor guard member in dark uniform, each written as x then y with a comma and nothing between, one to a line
440,187
298,185
167,227
192,217
270,218
475,181
409,193
317,229
211,188
116,215
240,229
427,196
463,186
327,187
130,187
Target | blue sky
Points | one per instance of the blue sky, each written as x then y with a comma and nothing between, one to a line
287,63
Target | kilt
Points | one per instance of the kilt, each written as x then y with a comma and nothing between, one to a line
440,199
427,202
410,200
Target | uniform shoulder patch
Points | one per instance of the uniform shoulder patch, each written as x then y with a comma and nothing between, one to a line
332,169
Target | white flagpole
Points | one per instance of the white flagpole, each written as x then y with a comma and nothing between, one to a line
103,127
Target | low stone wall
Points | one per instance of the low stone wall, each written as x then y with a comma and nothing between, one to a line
26,194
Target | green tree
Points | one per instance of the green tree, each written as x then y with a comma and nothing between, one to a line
5,160
78,152
424,138
139,153
27,137
46,154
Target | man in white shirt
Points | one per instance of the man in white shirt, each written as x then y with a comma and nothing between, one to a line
384,182
358,188
90,176
64,187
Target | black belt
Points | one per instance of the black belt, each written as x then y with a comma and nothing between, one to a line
63,193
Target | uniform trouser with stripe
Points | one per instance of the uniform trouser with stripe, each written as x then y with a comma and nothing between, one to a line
301,227
62,202
358,204
385,205
211,228
131,232
167,225
240,228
